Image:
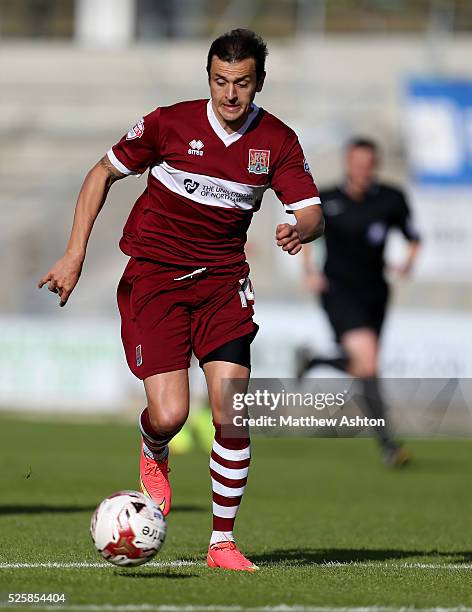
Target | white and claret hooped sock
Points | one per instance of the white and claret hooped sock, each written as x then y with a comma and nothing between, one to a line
221,536
155,445
229,466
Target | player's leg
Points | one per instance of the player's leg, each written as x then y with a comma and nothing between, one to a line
362,346
155,331
167,409
230,456
166,412
222,332
306,359
342,313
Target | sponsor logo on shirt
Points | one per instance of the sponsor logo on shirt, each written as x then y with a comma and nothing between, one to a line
209,189
136,131
196,147
259,161
306,167
217,192
191,186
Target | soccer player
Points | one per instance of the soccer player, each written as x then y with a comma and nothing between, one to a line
186,287
359,214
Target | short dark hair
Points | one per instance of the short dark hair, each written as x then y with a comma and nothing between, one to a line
362,142
238,45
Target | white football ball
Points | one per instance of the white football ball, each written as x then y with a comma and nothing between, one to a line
128,528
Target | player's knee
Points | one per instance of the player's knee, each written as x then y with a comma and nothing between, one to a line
167,420
363,363
365,368
369,372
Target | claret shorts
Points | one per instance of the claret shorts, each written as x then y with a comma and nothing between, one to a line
169,311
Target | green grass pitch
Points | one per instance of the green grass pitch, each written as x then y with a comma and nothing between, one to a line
328,525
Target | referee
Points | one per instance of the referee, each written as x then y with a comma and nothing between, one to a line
354,293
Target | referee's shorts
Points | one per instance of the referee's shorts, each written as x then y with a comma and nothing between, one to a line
351,308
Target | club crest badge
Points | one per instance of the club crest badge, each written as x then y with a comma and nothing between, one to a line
259,161
136,131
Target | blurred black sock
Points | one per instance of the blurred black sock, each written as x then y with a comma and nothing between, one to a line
375,408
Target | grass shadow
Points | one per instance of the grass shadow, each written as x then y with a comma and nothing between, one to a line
145,575
188,508
308,557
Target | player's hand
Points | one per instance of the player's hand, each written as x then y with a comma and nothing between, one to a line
288,238
316,282
63,277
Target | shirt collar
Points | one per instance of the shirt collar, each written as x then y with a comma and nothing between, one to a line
220,131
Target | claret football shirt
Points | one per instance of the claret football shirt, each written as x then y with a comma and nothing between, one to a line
205,184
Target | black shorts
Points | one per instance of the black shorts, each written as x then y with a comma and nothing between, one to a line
348,308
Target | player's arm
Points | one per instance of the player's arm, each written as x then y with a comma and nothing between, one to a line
413,246
412,237
65,273
293,184
309,227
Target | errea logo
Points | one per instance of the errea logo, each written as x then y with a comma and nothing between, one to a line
196,147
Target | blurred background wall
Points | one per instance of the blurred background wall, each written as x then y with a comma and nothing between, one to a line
76,74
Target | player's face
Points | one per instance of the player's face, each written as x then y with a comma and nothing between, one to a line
361,167
233,87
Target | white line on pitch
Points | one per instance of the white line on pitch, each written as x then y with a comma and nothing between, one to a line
88,564
215,608
443,566
182,563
